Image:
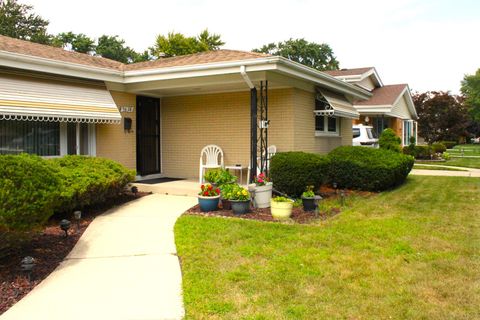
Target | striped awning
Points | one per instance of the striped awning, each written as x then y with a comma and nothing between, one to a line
45,99
336,105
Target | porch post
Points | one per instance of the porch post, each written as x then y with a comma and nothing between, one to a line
253,133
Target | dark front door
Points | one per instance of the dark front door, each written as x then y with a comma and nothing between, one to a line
148,135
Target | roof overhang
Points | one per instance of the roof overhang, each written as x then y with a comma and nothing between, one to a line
337,106
142,80
372,73
44,99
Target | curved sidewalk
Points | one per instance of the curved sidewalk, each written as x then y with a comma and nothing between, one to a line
123,267
466,172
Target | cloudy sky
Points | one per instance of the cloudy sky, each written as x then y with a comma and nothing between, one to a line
426,43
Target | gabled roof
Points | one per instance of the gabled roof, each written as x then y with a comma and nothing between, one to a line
348,72
48,52
386,95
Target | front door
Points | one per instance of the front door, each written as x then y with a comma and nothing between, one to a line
148,135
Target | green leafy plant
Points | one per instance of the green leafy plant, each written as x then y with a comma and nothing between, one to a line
449,144
282,199
446,156
390,141
292,171
439,147
419,151
227,190
308,193
368,168
207,190
239,193
219,177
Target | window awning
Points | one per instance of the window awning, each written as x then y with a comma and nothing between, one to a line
335,105
44,99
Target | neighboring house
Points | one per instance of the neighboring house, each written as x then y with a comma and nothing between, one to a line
390,106
157,116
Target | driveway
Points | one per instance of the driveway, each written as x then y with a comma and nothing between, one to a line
123,267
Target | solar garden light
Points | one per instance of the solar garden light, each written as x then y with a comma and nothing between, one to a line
335,186
65,225
342,197
77,215
27,264
134,190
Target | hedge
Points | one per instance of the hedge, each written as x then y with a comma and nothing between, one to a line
423,152
368,168
449,144
291,172
390,141
89,180
29,189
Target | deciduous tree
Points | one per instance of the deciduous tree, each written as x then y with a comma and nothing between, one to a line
75,42
471,90
112,47
314,55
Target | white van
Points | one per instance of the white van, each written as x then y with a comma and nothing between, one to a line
364,136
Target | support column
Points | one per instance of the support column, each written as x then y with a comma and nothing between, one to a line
253,133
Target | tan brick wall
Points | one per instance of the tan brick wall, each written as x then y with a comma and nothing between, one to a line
191,122
112,141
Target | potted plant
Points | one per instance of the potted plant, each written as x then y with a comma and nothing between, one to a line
208,197
226,195
263,191
281,208
219,177
308,199
240,200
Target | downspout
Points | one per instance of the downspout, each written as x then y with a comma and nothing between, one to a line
253,123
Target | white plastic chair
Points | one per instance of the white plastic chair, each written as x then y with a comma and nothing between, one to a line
271,151
213,155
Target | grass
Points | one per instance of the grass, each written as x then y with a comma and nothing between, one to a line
422,167
459,162
409,253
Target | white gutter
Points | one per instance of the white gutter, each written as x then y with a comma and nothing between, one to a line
245,76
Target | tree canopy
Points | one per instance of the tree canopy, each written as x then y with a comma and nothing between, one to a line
17,21
314,55
112,47
442,116
76,42
176,44
471,90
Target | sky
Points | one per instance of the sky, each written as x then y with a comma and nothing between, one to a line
428,44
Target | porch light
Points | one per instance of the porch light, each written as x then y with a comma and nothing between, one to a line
77,215
65,225
27,264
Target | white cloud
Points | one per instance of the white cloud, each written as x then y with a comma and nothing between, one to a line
407,40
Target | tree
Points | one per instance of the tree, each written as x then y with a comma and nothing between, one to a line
311,54
389,140
17,21
177,44
75,42
471,90
442,116
111,47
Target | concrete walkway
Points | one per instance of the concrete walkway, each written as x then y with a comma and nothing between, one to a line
467,172
123,267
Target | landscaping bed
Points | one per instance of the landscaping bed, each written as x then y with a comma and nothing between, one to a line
49,247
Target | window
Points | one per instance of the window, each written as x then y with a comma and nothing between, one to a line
46,138
327,126
42,138
356,132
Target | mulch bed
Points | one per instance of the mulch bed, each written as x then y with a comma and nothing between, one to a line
49,247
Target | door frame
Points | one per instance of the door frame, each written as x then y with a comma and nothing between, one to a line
139,100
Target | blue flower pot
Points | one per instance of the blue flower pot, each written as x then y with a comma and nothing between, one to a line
240,206
208,203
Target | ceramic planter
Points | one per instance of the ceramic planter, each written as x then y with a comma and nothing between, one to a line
308,204
263,195
281,210
240,206
226,204
208,203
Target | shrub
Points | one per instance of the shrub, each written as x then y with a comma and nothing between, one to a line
368,168
29,188
389,140
449,144
89,180
438,147
292,171
419,152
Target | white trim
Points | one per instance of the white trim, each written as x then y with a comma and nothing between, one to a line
92,140
63,139
325,132
77,138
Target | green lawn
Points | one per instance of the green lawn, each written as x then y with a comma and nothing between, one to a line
412,253
458,162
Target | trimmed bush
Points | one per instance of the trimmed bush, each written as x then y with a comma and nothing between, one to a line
390,141
368,168
292,172
439,147
89,180
419,151
449,144
29,189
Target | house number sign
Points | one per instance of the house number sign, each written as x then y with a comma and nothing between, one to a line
126,109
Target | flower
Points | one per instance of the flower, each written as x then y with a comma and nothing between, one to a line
203,186
210,187
205,193
217,190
